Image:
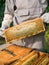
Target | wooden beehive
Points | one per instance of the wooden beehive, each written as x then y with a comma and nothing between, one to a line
13,51
17,55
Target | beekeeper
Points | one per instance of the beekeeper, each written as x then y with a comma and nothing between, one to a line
22,10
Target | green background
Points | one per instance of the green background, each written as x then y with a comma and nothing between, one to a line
2,7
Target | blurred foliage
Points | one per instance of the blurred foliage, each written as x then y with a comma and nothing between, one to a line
47,34
2,40
2,7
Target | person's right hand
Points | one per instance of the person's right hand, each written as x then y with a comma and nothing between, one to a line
1,32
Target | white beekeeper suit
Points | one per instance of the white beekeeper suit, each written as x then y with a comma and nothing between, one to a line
22,10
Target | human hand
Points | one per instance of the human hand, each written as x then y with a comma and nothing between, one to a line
1,33
45,17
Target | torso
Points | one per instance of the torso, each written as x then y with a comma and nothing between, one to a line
27,9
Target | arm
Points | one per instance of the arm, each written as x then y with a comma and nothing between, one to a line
8,16
45,16
6,21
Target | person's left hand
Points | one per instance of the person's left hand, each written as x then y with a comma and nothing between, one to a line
45,17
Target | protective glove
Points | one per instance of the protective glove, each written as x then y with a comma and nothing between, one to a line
45,17
1,33
5,23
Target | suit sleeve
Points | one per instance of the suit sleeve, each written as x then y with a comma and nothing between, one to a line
8,9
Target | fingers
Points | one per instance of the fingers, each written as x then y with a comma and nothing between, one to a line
45,17
1,33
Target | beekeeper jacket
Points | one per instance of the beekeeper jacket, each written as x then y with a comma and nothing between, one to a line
23,10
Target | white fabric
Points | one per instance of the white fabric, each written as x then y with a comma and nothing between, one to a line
5,23
42,1
45,17
26,9
1,33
